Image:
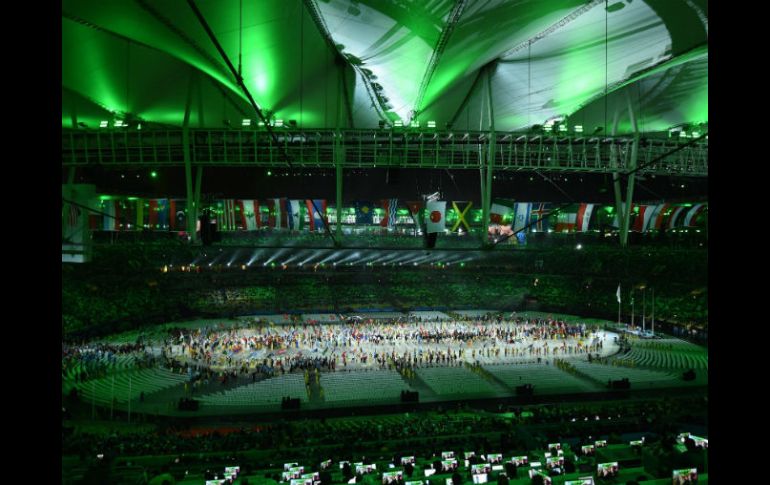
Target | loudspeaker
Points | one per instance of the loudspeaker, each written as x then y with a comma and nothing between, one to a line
621,384
689,375
186,404
430,240
525,390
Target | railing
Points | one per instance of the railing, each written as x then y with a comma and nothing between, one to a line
383,148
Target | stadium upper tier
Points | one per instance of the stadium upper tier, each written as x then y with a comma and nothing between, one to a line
618,65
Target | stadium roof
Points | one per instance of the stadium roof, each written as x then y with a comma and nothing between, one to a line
347,63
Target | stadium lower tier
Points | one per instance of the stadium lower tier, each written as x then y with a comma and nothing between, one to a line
314,362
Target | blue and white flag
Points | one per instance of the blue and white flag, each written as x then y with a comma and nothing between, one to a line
522,214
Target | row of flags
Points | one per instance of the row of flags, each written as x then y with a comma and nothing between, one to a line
433,216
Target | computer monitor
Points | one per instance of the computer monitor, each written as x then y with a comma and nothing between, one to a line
480,478
686,475
604,470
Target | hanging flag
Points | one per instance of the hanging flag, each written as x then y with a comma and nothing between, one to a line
672,219
499,211
177,209
389,217
618,294
108,218
152,213
294,215
139,213
250,214
692,215
584,216
566,219
163,213
461,216
616,219
436,216
657,216
317,217
414,210
521,219
363,212
275,217
229,215
541,223
642,217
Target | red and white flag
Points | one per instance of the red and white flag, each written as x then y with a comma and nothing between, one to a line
436,216
584,216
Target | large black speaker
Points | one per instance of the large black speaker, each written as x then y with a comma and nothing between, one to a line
289,403
525,390
410,396
430,240
689,375
186,404
621,384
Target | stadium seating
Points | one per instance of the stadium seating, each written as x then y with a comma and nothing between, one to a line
267,392
362,386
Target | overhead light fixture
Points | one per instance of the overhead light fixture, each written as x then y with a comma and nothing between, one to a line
398,123
279,123
578,128
431,124
562,127
246,122
103,124
414,124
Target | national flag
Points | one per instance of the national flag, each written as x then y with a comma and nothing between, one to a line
642,218
108,217
461,216
436,216
618,293
139,213
274,207
566,220
415,207
541,223
152,213
178,212
521,219
228,219
317,215
389,217
364,211
584,216
499,211
163,213
675,214
250,214
294,215
692,215
656,217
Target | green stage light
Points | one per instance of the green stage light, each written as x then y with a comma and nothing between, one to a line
246,122
578,128
398,124
154,174
269,173
431,124
103,124
414,124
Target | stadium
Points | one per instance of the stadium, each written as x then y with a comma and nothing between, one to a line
313,242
